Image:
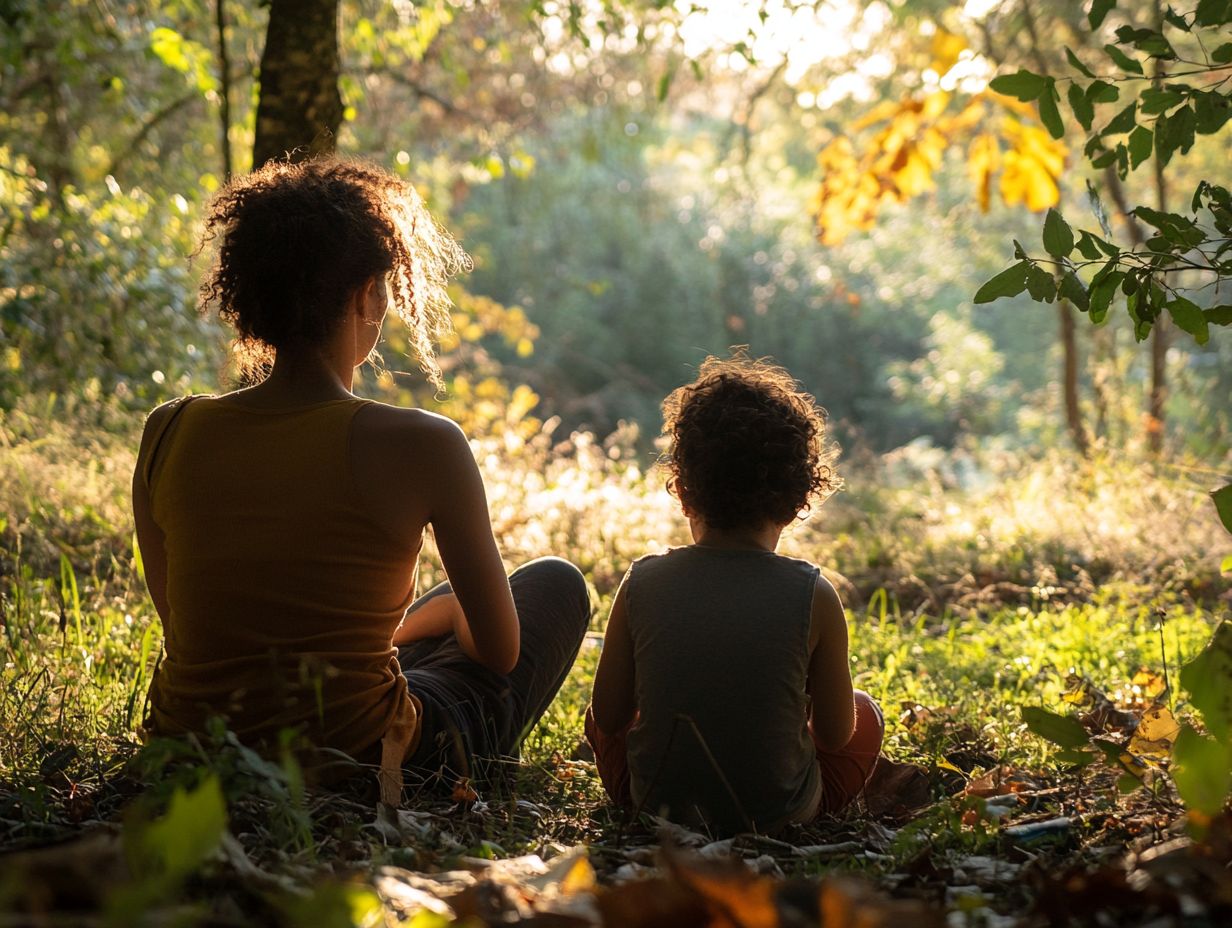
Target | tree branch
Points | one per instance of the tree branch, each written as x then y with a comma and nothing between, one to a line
149,126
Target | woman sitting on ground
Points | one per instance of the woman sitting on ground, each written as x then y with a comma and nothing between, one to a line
281,524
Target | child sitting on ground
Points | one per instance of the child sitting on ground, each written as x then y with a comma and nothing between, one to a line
723,695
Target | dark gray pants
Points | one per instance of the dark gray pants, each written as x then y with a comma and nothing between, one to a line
472,716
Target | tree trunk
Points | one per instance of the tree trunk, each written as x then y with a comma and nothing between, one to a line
300,109
224,90
1159,345
1159,333
1069,347
1065,313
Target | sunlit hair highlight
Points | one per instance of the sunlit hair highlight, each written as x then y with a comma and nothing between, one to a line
747,445
293,242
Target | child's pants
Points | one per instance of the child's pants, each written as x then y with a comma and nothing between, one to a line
843,772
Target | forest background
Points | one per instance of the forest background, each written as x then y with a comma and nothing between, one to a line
642,184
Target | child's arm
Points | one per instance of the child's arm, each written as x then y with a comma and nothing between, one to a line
832,716
613,700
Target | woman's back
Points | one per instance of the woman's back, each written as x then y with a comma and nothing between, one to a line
284,585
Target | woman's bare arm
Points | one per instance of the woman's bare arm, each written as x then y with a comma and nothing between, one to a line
463,530
614,700
439,615
149,536
832,716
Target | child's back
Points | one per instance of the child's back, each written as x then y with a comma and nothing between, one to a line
723,694
721,644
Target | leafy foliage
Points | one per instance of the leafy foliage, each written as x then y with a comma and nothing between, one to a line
1183,256
901,157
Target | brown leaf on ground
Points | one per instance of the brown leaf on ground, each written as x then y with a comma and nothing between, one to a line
998,782
74,876
897,790
848,903
735,896
651,903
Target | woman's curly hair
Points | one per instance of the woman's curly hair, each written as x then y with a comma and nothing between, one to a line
294,241
747,445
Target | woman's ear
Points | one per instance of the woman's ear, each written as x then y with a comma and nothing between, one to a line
373,299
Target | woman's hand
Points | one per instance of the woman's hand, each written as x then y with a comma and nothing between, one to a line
433,617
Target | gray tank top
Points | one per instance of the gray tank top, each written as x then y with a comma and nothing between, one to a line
721,655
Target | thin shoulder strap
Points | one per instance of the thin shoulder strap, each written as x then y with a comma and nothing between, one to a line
156,440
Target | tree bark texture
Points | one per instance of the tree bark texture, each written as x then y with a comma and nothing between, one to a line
1069,346
224,90
300,110
1065,313
1159,333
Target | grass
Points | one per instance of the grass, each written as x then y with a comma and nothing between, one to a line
966,603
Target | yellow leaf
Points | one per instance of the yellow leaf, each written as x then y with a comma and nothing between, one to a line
934,105
946,47
1150,682
983,160
884,110
1155,735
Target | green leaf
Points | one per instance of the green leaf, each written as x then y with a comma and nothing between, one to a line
1050,116
1127,784
175,845
1062,730
1156,100
1041,285
1202,770
1097,208
1189,318
1101,293
1218,315
1104,160
1223,54
1122,60
1087,247
1223,505
1110,749
1099,9
1174,132
1208,677
1010,282
1212,13
1058,236
1225,566
1084,112
1124,121
1211,111
665,83
1176,20
1072,289
1103,92
1146,40
1023,85
1076,757
1076,63
1140,143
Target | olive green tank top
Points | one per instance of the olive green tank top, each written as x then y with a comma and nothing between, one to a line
284,591
721,656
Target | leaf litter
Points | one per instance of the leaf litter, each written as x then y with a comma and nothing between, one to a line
1009,846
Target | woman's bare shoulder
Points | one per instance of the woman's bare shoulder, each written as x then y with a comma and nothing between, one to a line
396,439
400,423
158,418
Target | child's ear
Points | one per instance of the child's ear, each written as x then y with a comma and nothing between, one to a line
674,488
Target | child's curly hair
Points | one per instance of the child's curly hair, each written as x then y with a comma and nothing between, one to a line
296,240
747,445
